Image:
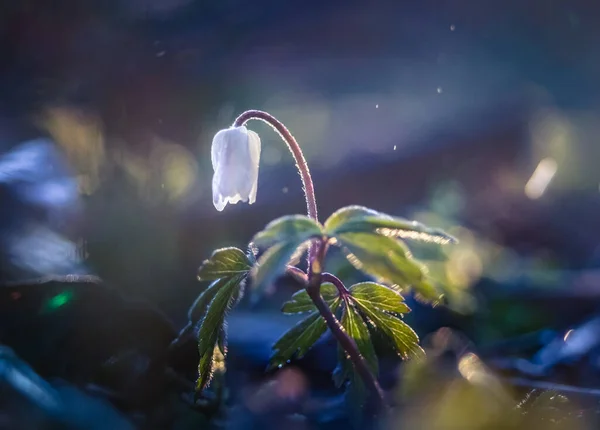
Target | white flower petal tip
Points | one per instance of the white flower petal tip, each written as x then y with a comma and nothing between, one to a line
235,155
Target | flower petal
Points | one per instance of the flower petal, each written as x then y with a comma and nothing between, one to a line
235,156
217,147
218,199
255,148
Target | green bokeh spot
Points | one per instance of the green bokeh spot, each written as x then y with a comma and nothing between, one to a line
59,300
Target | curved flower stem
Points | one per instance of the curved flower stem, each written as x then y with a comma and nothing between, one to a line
301,165
309,190
316,254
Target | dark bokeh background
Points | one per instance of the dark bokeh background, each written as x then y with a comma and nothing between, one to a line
404,106
478,117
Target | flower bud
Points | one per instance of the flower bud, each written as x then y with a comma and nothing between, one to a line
235,156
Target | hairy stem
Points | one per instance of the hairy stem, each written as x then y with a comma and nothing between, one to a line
315,278
337,282
316,253
309,190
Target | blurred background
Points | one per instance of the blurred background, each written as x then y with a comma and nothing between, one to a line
477,117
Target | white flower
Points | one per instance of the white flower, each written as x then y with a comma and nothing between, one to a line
235,155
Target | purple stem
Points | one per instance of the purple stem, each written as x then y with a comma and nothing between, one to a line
315,278
309,189
337,282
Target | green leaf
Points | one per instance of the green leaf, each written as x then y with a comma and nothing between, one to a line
345,215
357,329
427,292
198,308
296,342
403,338
286,239
379,296
358,219
223,263
222,339
301,301
387,260
211,328
343,368
356,394
291,228
272,264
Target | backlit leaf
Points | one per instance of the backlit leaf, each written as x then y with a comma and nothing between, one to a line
301,301
198,308
272,264
379,296
356,392
223,263
357,329
291,228
387,260
358,219
211,328
296,342
403,338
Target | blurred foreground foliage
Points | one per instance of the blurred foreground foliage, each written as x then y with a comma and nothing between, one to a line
454,389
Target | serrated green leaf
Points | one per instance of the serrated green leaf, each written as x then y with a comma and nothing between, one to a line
222,339
291,228
301,301
358,219
356,395
357,329
205,365
387,260
342,369
345,215
211,328
198,308
223,263
296,342
356,392
216,362
403,338
286,238
425,291
272,264
379,296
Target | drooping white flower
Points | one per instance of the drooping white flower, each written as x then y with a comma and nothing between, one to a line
235,155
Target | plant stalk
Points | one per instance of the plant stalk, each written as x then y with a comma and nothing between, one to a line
337,282
315,278
316,253
288,138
